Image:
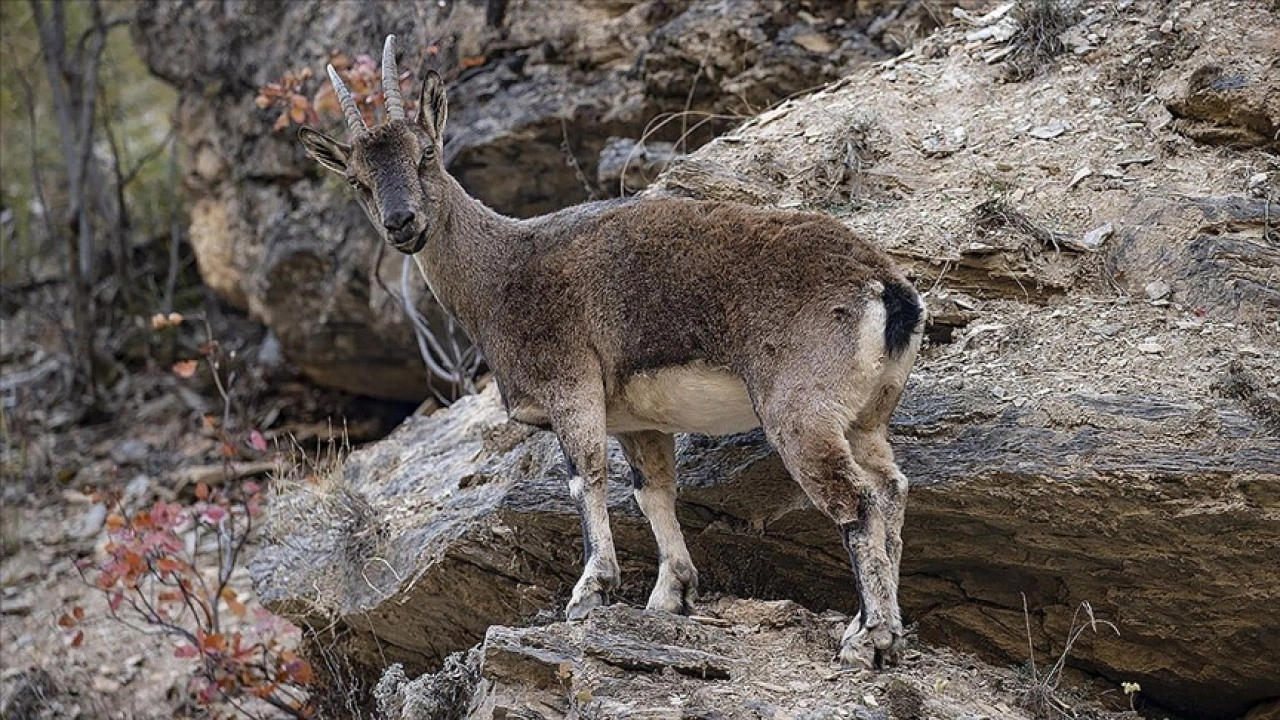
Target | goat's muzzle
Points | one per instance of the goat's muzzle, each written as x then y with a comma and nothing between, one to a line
404,231
409,245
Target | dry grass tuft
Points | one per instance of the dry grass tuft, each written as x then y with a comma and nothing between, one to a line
840,176
995,214
1242,384
1043,698
312,498
1040,25
442,694
345,686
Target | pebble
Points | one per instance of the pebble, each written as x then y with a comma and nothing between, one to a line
1093,239
1048,131
1157,290
130,452
91,522
1106,329
19,607
105,685
1080,175
137,489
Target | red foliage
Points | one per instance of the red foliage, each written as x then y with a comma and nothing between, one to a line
361,75
169,566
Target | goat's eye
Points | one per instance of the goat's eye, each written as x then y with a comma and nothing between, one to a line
354,182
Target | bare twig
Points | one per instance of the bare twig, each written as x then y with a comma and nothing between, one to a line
453,364
175,229
120,241
73,88
571,160
1041,697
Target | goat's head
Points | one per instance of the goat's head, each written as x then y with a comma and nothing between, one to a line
396,168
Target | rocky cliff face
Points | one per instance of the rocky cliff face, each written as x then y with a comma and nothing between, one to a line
460,521
1097,419
537,89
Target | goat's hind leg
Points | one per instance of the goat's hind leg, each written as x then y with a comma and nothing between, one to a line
582,438
809,435
872,452
653,464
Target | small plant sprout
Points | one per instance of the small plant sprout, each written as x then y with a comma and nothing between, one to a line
1131,690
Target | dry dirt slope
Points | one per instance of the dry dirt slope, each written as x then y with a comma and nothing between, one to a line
1098,413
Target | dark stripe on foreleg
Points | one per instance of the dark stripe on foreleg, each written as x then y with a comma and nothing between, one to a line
569,464
637,479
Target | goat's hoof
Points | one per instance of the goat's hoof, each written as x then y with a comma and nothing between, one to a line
885,639
589,595
674,596
579,609
891,656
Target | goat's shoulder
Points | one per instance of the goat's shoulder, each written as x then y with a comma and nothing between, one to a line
568,221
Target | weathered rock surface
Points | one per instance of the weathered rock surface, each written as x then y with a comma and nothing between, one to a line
1122,501
750,659
536,92
1236,103
1071,437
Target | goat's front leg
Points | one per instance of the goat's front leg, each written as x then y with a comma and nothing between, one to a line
582,438
653,465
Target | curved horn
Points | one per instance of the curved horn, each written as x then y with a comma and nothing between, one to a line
391,81
355,121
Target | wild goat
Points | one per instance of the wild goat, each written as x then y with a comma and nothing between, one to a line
646,317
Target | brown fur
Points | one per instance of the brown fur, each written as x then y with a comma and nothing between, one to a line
572,308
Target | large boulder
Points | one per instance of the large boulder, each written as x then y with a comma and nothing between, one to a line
537,90
461,521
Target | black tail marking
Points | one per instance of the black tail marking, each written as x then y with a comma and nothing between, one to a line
902,315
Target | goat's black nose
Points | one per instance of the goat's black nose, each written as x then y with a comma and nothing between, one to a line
398,220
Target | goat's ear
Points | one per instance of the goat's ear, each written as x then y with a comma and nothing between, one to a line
432,107
326,151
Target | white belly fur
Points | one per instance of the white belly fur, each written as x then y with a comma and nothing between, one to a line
689,398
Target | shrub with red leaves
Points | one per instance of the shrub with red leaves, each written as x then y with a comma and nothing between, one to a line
361,75
169,567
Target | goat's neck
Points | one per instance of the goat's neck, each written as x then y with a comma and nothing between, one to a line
467,254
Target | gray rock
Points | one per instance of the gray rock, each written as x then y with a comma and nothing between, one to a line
1157,290
138,489
130,452
1048,131
460,522
91,521
1093,239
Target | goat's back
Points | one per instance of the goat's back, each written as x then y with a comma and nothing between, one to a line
666,282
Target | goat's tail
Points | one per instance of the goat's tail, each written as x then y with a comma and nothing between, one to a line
904,314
